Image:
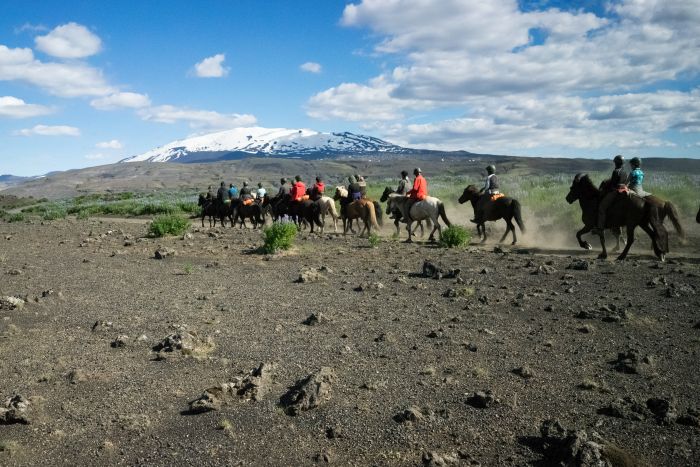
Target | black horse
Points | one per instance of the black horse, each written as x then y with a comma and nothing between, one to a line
502,208
213,209
697,217
626,211
252,211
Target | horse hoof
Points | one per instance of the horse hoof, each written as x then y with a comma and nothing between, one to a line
408,241
620,258
662,258
602,256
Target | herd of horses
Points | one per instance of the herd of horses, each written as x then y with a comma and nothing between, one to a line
628,211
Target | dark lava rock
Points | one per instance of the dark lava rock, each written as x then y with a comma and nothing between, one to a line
482,399
15,410
544,269
315,319
524,372
253,387
632,362
163,252
579,265
663,410
309,392
434,271
410,415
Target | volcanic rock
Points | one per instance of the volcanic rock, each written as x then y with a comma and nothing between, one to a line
309,392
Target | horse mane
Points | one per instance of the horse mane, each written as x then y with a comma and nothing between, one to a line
586,184
342,191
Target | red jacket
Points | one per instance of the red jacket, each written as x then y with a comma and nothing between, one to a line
320,188
420,188
298,190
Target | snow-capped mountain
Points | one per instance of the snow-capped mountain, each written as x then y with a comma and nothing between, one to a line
275,142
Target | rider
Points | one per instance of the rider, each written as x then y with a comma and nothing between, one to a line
636,178
285,189
419,191
210,193
222,194
618,180
363,186
232,191
298,190
318,189
246,194
489,189
403,184
354,189
261,192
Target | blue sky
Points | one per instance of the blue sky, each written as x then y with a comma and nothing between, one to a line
85,83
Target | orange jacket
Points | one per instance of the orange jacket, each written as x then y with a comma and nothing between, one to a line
298,190
420,188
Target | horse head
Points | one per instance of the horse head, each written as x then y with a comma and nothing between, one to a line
385,194
202,199
340,192
581,187
470,193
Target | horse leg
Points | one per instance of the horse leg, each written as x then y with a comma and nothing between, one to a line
511,227
436,226
410,233
654,244
617,233
505,234
582,243
630,241
604,254
483,231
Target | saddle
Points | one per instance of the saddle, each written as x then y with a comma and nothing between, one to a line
248,202
496,196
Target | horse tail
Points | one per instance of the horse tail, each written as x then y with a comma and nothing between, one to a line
378,212
657,222
332,209
372,211
441,212
672,213
316,211
518,215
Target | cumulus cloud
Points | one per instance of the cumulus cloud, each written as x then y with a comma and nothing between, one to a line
525,74
70,40
201,119
61,79
14,107
121,100
311,67
111,144
46,130
212,67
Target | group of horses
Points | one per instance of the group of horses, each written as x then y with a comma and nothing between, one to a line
627,211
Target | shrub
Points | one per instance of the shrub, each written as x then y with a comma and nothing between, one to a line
83,214
374,240
168,224
455,236
53,214
279,236
16,217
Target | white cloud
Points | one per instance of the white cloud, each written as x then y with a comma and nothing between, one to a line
14,107
61,79
311,67
201,119
45,130
212,67
70,40
121,100
524,79
112,144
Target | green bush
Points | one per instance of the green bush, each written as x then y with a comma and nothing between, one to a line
279,236
455,236
16,217
54,214
374,240
83,214
168,224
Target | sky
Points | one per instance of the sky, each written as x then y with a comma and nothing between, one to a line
91,82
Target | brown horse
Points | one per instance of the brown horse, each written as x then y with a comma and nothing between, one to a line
361,209
626,211
503,208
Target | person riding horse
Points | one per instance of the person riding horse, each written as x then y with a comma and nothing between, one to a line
298,190
246,194
318,189
402,189
210,193
419,191
636,178
261,192
232,192
354,189
617,184
222,194
490,188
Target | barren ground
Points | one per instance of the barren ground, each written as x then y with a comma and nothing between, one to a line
407,352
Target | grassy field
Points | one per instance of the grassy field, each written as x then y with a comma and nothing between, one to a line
541,197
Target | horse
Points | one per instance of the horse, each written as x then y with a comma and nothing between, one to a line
327,205
429,208
697,217
364,209
306,211
626,211
388,192
502,208
242,212
212,209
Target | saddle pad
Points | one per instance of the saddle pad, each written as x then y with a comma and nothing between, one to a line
497,196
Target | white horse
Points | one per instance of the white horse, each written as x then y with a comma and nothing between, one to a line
328,207
429,208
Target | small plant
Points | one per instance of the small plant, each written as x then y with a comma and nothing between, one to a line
83,214
168,224
54,214
374,240
188,268
16,217
455,236
279,236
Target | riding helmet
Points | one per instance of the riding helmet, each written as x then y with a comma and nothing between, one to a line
618,160
636,162
417,170
491,169
283,181
297,178
404,173
245,183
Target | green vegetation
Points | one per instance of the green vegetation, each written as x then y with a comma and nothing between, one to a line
455,236
16,217
279,236
168,224
54,213
374,240
187,268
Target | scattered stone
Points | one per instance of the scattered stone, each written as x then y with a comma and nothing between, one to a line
120,341
15,272
315,319
76,376
11,303
586,329
579,265
253,387
689,420
186,342
434,271
434,459
101,325
632,362
482,399
15,410
544,269
164,252
309,392
524,372
364,287
411,414
310,275
625,408
663,410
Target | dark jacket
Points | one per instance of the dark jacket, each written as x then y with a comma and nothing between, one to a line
618,177
222,193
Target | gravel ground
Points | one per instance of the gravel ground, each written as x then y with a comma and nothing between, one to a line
393,368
